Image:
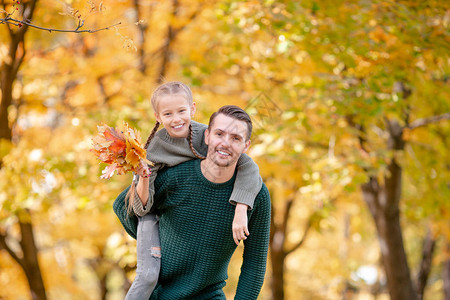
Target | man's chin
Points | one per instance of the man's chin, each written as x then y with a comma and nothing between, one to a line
223,163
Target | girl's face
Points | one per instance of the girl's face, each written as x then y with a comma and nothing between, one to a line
175,113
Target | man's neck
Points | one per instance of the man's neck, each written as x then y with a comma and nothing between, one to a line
215,173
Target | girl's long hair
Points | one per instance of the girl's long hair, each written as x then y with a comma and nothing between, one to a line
169,88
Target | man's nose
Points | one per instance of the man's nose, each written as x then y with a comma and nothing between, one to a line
226,141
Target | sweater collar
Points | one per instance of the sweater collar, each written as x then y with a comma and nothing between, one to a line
225,184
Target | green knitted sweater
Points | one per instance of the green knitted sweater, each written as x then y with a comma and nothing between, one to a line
196,237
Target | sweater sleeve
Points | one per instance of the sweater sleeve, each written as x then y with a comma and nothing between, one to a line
248,182
255,249
129,222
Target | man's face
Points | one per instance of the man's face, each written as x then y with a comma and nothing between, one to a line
226,140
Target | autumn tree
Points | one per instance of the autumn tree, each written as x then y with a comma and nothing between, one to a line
20,201
28,256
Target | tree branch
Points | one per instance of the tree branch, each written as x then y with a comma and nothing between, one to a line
425,121
4,245
20,23
287,211
303,239
172,32
426,263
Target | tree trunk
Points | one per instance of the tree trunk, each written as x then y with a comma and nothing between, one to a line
103,287
142,30
166,50
391,243
278,249
446,277
31,263
6,85
383,202
277,259
8,74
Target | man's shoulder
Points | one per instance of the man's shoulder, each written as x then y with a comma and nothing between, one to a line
263,195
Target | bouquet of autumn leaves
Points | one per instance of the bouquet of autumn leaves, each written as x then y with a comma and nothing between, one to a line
120,148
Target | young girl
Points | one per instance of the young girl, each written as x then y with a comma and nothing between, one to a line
180,140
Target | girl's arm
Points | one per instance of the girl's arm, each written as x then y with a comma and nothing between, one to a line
248,182
246,187
145,192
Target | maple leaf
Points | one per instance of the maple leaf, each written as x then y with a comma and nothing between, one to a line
117,140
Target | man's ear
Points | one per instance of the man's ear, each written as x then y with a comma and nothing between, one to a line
247,145
206,136
158,118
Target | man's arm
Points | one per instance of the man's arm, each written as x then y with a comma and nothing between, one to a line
129,222
255,249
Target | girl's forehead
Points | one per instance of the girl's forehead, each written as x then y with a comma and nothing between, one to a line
166,101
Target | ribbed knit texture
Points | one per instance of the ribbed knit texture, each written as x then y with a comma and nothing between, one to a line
165,150
196,237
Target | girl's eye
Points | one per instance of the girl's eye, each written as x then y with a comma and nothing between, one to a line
167,114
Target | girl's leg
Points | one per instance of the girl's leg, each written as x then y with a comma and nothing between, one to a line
148,258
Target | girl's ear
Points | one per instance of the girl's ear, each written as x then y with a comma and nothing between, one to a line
158,118
193,108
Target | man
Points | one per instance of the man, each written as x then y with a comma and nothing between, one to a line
196,239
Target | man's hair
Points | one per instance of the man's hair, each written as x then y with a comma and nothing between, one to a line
236,113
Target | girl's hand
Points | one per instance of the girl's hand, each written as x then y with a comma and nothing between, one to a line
240,230
143,170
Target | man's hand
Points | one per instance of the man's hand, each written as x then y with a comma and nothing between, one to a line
240,230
